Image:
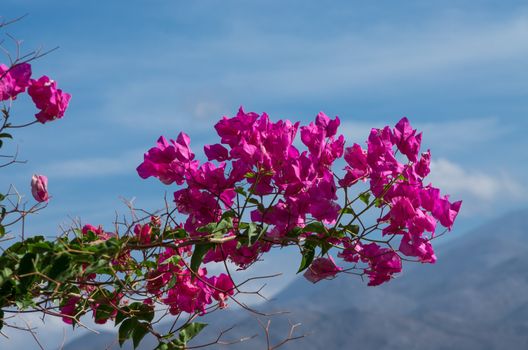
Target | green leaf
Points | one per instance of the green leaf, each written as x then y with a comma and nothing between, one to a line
229,214
218,229
172,260
325,247
99,266
139,332
126,329
250,175
162,346
253,232
142,311
1,319
25,267
173,345
5,135
177,233
172,282
223,226
120,317
40,247
316,227
190,331
5,275
113,244
151,264
2,231
60,266
7,288
347,210
365,197
354,229
103,312
199,252
307,256
253,201
295,232
240,190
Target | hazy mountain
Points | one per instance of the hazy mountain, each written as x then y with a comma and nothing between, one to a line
474,297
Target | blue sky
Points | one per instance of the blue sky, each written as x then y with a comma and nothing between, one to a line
136,69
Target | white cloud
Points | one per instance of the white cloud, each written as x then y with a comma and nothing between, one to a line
459,182
94,167
251,63
311,66
461,133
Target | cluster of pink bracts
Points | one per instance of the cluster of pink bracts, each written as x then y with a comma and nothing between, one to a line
288,189
50,101
259,176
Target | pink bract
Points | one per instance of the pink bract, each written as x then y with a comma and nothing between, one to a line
322,268
260,157
14,80
51,101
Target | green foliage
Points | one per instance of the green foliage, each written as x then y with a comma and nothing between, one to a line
308,254
190,331
199,252
218,229
39,267
187,333
365,197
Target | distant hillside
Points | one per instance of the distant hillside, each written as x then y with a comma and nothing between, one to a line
474,297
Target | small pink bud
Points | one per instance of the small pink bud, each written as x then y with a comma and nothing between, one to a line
39,188
155,220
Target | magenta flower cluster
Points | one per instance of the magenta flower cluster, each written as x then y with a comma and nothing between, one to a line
51,101
258,190
258,174
191,292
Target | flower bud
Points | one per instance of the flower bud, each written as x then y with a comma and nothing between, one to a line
39,188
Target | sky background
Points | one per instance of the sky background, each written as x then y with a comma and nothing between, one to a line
140,69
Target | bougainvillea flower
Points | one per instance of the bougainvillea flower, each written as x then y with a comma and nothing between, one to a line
383,263
216,152
143,233
322,268
14,80
51,101
68,309
168,161
223,288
